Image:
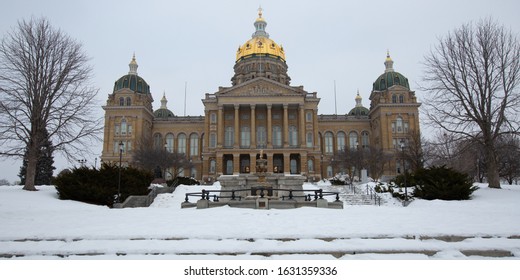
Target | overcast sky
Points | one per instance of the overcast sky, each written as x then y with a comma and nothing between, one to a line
194,42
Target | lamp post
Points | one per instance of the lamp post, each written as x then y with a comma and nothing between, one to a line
404,170
119,177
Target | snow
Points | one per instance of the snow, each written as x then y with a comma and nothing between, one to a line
37,225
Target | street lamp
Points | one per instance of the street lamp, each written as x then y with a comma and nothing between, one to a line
404,169
119,177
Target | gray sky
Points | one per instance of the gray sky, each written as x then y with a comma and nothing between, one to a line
195,42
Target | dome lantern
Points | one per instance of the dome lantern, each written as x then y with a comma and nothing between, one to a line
133,66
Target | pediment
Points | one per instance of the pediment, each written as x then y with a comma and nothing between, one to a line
260,87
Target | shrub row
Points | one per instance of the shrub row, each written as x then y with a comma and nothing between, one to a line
100,186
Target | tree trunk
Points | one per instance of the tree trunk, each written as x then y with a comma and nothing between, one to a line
32,160
492,168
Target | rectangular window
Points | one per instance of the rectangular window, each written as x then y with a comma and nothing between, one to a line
405,127
212,140
129,130
309,140
308,117
117,129
393,127
245,137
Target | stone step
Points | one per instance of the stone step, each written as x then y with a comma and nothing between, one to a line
174,247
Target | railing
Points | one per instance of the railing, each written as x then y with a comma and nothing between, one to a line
207,194
373,195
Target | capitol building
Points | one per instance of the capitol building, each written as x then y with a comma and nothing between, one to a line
261,113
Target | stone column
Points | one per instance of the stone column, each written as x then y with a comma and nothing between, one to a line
220,126
237,127
253,127
252,163
286,163
269,157
315,129
302,127
236,164
269,128
285,125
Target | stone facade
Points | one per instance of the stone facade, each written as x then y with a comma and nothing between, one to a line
261,111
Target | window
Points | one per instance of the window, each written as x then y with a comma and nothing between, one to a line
329,142
245,137
310,165
341,137
213,140
365,142
128,101
181,143
213,118
212,166
129,129
118,130
329,171
277,136
193,172
121,101
194,145
157,141
393,127
401,99
309,140
123,127
394,99
308,116
229,136
229,167
169,142
399,124
293,135
353,140
261,137
405,127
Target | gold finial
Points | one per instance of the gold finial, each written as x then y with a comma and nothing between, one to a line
260,12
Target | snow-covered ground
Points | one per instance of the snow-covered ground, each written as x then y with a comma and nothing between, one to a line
37,225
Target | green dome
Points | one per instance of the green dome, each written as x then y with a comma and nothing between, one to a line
358,111
389,79
132,82
163,113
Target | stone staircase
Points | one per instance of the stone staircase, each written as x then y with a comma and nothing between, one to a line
356,195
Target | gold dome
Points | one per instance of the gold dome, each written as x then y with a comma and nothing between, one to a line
260,46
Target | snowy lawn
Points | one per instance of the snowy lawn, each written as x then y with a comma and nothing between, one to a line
49,227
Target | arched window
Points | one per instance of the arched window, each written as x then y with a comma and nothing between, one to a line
229,137
261,137
181,143
157,141
399,124
394,98
194,145
169,142
329,139
353,140
401,99
121,101
341,137
128,101
293,136
364,139
277,136
310,139
245,137
310,165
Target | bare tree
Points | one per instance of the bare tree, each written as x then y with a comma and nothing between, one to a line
413,151
44,86
376,159
149,157
472,78
509,153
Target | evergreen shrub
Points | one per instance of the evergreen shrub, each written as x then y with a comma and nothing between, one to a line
101,186
442,183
